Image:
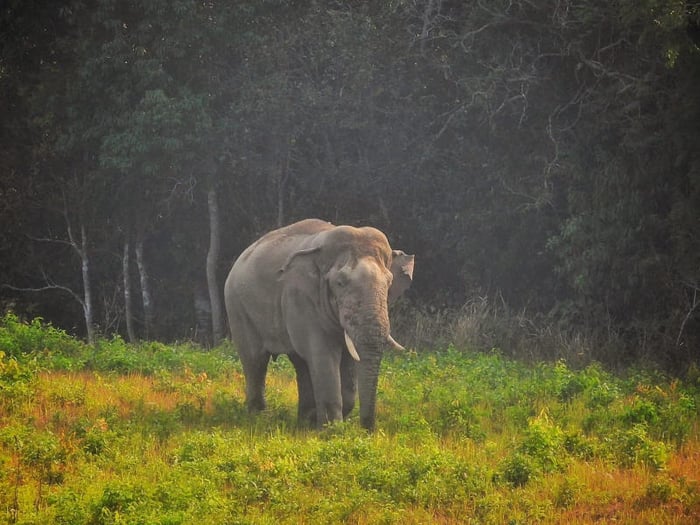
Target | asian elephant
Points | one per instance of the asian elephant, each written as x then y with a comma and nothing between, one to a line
318,293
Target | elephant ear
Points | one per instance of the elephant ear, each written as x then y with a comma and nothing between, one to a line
402,269
299,253
327,247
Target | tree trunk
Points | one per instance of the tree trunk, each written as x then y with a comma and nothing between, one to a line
87,290
212,260
281,189
146,296
202,312
128,308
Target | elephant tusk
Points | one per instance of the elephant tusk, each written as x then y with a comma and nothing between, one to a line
394,344
351,347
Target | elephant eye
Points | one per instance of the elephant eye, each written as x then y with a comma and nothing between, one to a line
341,280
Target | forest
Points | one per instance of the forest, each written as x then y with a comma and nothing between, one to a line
540,158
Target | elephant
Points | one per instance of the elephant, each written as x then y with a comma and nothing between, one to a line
318,293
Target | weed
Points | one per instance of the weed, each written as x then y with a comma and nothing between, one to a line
565,495
658,492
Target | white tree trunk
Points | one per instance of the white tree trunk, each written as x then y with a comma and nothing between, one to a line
128,309
212,260
146,296
87,290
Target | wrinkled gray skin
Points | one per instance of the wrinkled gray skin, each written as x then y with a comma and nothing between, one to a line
317,293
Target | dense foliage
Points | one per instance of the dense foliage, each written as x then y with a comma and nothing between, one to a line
159,434
542,152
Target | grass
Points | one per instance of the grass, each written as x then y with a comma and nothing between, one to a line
158,434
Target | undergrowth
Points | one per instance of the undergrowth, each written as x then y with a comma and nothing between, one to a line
158,434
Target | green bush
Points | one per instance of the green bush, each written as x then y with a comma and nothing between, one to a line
69,507
55,349
635,447
540,451
580,446
115,355
518,469
17,380
117,499
19,338
677,419
641,411
40,453
543,442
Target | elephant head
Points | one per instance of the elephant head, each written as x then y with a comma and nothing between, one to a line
357,275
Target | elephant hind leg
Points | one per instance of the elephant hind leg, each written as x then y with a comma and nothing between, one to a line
253,356
255,370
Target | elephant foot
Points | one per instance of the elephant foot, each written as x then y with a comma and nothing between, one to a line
306,417
256,405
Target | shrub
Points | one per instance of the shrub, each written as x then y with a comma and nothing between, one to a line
16,380
117,499
566,493
18,338
540,451
634,446
579,446
543,442
518,469
641,411
677,419
69,507
458,416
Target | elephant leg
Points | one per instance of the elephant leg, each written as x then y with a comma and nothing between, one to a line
255,370
306,414
348,383
325,377
253,358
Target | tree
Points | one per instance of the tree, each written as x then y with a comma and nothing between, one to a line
543,152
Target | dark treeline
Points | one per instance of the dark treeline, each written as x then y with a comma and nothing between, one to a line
545,152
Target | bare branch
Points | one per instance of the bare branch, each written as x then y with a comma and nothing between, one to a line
48,286
69,229
48,239
696,302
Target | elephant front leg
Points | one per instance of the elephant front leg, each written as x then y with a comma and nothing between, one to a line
317,355
306,413
325,377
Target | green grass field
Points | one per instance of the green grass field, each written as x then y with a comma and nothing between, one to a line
156,434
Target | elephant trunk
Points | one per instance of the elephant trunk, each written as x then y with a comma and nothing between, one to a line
370,335
367,377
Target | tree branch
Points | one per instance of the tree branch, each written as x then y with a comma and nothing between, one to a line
49,286
693,307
